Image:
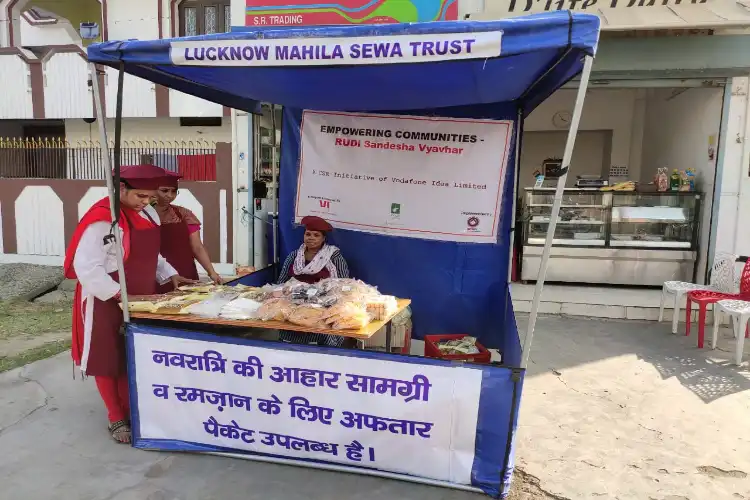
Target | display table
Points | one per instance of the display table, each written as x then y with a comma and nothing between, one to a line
362,334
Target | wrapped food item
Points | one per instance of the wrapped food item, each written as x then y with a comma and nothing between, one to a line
380,306
661,179
241,309
275,310
170,307
211,307
464,345
344,286
309,315
272,291
255,294
199,288
294,286
347,316
141,306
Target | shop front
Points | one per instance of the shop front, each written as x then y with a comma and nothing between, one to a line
659,102
628,234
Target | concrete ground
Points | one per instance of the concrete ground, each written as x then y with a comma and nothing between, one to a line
611,410
624,410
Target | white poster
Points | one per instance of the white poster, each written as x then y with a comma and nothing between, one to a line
415,176
393,416
395,49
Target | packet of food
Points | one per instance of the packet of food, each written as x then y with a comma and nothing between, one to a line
309,315
275,310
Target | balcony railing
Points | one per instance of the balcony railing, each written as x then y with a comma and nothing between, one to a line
56,158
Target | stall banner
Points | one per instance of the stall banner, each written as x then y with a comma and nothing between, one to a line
396,49
401,417
313,12
415,176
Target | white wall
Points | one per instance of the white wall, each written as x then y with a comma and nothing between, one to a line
732,233
603,109
680,126
138,95
66,90
60,33
589,156
15,99
149,129
133,19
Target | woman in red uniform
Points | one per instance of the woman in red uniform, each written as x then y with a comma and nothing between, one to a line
314,261
98,345
181,241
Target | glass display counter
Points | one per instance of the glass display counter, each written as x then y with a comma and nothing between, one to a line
616,237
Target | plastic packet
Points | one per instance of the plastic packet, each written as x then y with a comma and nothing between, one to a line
464,345
275,310
347,316
309,315
380,306
211,308
241,309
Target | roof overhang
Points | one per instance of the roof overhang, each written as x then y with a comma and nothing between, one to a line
625,15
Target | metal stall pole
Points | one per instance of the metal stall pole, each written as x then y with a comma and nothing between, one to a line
569,143
516,163
114,191
275,189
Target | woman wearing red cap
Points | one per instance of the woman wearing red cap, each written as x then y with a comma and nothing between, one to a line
314,261
181,241
98,345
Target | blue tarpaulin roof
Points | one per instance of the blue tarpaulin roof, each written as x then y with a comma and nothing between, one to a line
539,53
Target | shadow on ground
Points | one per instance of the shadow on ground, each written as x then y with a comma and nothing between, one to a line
709,374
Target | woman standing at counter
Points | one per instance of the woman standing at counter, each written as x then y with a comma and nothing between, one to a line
181,241
313,261
98,345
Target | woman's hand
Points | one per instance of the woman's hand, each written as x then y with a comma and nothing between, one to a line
216,278
178,281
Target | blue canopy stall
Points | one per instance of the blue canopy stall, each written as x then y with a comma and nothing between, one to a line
473,74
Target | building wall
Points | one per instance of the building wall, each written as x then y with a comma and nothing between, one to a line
590,156
604,110
733,182
681,126
132,19
149,129
61,33
75,12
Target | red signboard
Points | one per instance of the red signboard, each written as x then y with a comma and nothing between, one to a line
321,12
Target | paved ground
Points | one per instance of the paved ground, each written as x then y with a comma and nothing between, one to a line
625,410
611,410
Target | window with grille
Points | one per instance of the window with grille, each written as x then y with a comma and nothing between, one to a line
203,17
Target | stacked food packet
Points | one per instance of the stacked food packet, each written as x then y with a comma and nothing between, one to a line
334,303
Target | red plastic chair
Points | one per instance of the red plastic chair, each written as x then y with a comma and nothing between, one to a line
705,297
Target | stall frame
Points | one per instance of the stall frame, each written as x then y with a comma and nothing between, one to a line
571,38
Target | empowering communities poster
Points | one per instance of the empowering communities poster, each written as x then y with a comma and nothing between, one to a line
413,176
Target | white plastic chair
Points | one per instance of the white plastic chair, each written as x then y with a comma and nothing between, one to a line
739,310
723,279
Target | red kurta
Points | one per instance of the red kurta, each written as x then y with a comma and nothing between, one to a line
175,247
137,241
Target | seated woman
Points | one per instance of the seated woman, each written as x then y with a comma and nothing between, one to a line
314,261
181,241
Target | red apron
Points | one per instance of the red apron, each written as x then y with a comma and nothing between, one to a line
175,247
309,278
107,350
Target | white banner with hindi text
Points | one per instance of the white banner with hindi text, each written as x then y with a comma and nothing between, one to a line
415,176
394,416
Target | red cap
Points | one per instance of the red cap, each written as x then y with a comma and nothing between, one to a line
149,177
172,178
313,223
